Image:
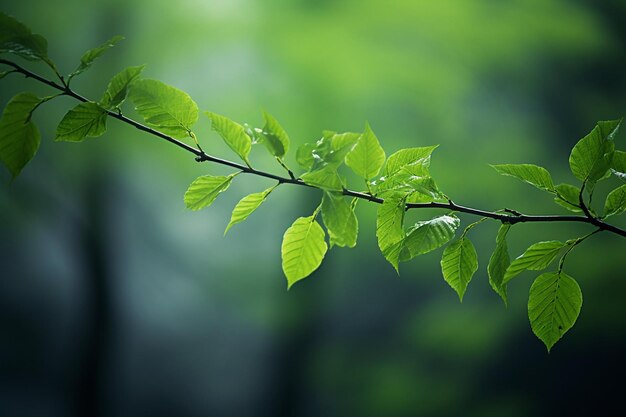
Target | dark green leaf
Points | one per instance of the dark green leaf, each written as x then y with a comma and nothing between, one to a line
339,219
531,174
274,136
204,190
615,202
91,55
233,134
246,206
303,249
84,120
459,262
537,257
367,157
16,38
499,262
618,166
19,137
117,89
164,107
591,157
553,306
568,196
426,236
389,227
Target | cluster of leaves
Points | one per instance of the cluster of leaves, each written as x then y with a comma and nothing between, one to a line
398,182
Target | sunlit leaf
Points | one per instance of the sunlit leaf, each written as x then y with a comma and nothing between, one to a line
339,219
532,174
390,229
19,137
91,55
426,236
204,190
459,262
246,206
538,256
303,249
618,165
274,136
499,262
117,90
554,304
326,178
85,120
233,134
615,202
367,157
568,196
591,157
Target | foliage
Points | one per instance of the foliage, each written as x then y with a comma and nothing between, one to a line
397,183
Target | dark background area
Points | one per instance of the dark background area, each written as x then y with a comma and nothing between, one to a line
116,301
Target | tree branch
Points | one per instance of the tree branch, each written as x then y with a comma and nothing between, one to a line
510,216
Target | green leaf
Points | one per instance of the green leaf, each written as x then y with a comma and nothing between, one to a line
274,136
537,257
303,249
233,134
5,73
326,178
591,156
19,137
554,304
417,157
618,166
615,202
91,55
204,190
16,38
246,206
84,120
568,196
367,157
389,227
499,262
339,219
304,155
330,150
426,236
459,262
532,174
117,90
164,107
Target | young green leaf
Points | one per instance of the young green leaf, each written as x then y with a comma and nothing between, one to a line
233,134
330,150
91,55
567,196
618,166
591,156
16,38
554,304
615,202
537,257
164,107
426,236
117,90
19,137
459,262
389,227
204,190
304,155
339,219
85,120
246,206
303,249
367,157
274,136
411,156
499,262
326,178
531,174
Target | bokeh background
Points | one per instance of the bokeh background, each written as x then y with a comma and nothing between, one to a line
116,301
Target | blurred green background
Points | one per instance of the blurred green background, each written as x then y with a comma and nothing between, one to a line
116,301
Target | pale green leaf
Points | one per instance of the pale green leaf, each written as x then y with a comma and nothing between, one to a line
304,155
246,206
591,156
91,55
419,157
303,249
330,150
390,229
367,157
531,174
274,136
117,90
326,178
568,196
164,107
615,202
233,134
204,190
459,262
19,137
554,304
339,219
499,262
538,256
17,38
426,236
85,120
618,166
